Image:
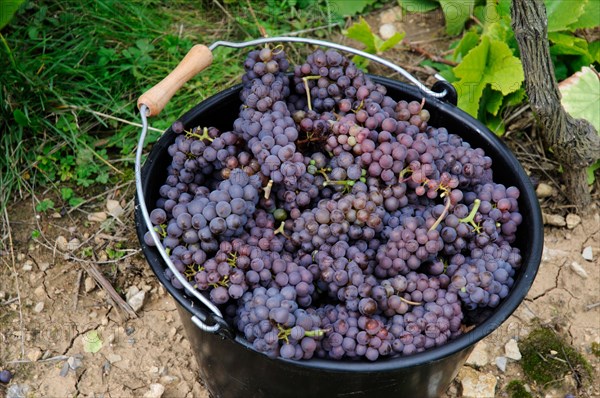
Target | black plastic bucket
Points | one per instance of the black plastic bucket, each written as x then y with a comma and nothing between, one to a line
229,366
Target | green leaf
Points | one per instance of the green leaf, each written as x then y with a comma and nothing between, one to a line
581,96
21,118
491,62
496,125
7,10
391,42
92,342
456,13
503,8
594,49
590,16
418,5
468,42
515,98
361,31
44,205
493,101
566,44
562,13
591,172
346,8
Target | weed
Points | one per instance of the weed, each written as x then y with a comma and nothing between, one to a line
517,389
547,358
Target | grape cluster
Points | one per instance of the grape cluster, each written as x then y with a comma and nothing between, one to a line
333,221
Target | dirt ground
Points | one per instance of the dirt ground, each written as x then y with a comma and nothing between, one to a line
50,305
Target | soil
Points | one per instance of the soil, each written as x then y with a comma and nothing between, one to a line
39,342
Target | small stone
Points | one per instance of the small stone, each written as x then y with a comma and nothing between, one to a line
62,243
73,244
391,15
112,358
544,190
39,307
387,30
587,253
20,256
554,220
28,266
114,208
64,370
172,332
156,391
578,269
89,284
476,384
44,266
511,350
40,291
74,363
553,352
34,354
17,391
573,220
136,301
501,363
2,295
168,379
479,356
99,216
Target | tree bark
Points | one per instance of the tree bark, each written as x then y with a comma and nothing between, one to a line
575,142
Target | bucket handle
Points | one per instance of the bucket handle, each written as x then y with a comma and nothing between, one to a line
152,102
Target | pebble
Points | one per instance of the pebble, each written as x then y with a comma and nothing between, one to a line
511,350
64,370
39,307
62,243
28,266
114,208
387,30
573,220
98,216
479,356
18,391
168,379
578,269
135,298
587,253
74,362
2,295
391,15
34,354
476,384
89,284
554,220
544,190
44,266
40,291
156,391
501,363
73,244
112,358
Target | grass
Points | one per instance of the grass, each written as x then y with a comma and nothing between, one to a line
516,389
72,72
547,358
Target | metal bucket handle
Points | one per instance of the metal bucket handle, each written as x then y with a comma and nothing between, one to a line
152,102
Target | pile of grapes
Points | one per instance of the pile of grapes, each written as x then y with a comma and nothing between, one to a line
332,221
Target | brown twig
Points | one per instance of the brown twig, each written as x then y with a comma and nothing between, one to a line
261,29
421,51
77,287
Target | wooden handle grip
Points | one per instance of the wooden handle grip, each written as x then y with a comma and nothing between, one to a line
197,59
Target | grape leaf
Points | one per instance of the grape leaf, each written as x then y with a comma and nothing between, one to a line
391,42
456,13
418,5
589,17
594,49
562,13
566,44
491,62
581,96
7,10
468,41
346,8
361,31
493,101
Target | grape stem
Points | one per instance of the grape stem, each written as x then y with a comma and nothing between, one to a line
280,230
307,89
470,217
203,136
408,301
444,213
268,188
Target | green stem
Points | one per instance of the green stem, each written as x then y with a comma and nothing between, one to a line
9,51
203,136
306,79
470,217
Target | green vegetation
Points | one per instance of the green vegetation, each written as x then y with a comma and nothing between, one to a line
596,349
547,358
361,31
516,389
